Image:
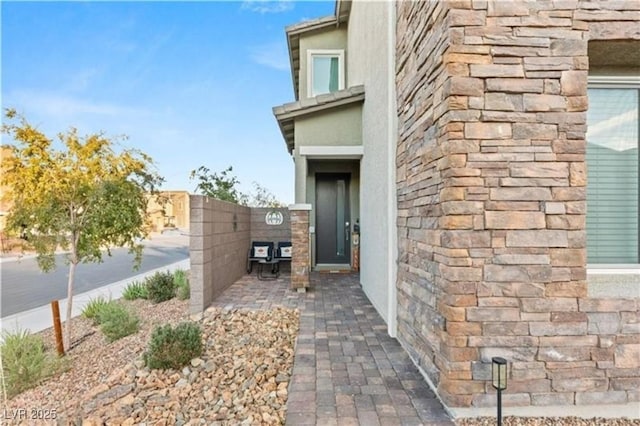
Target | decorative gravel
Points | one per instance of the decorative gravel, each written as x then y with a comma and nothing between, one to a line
242,377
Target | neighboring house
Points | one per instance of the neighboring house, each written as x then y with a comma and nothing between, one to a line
456,133
170,211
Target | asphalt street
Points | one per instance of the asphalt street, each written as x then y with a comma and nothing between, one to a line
24,286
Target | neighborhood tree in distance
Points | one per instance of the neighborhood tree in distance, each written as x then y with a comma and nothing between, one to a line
84,198
222,186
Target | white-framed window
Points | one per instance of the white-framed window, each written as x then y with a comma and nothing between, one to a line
325,71
613,172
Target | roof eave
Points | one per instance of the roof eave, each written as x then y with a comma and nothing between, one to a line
291,62
343,10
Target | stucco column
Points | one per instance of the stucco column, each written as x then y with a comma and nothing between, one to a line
300,259
301,172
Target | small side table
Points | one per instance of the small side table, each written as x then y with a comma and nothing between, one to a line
274,271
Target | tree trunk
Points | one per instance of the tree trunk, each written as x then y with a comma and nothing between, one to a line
67,324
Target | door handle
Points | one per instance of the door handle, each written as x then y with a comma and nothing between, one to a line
346,234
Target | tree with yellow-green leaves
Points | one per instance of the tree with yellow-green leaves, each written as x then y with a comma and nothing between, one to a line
83,198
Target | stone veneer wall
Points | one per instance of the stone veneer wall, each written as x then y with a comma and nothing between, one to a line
300,260
220,238
492,99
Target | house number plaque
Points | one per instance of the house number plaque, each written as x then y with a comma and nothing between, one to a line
274,218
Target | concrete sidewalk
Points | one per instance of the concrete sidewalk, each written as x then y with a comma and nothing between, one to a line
40,318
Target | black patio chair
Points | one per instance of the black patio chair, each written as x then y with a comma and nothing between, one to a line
260,250
283,251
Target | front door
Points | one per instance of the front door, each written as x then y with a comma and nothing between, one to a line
332,219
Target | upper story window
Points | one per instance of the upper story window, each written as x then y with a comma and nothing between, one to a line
613,165
325,71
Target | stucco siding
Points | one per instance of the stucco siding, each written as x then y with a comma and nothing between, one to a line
342,126
336,39
369,64
300,176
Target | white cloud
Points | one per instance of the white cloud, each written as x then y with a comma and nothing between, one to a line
58,105
273,55
54,112
268,6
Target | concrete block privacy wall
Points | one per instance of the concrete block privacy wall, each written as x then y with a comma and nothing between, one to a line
491,184
220,238
221,234
261,231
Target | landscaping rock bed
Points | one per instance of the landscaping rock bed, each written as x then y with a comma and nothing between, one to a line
241,378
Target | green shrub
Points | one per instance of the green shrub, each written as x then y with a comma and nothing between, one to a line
25,362
184,291
135,290
180,277
116,321
174,347
160,287
181,282
93,308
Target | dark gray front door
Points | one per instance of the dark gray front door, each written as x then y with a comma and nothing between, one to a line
333,239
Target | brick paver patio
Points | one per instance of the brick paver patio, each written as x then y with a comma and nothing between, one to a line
347,370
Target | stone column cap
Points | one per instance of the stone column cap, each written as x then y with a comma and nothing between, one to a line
299,206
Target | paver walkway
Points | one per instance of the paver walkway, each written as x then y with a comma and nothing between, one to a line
347,370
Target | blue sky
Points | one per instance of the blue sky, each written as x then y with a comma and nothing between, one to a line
190,83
